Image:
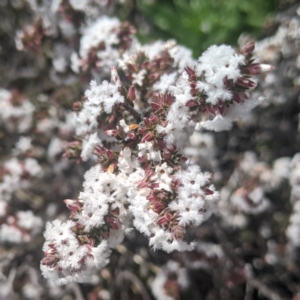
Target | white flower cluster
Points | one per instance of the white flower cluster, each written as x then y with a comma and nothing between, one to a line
216,64
148,179
20,228
212,85
195,202
99,39
15,173
207,254
15,116
72,261
70,248
99,99
191,207
169,281
293,230
102,207
23,225
149,60
245,192
180,124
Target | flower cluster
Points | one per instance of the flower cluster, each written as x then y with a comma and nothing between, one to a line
101,44
245,193
293,229
169,281
147,178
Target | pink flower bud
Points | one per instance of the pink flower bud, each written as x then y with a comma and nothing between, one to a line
169,99
89,248
211,109
236,98
191,73
248,48
132,135
208,191
153,119
266,68
167,155
112,132
246,83
114,75
77,106
221,107
192,103
49,260
131,94
142,184
160,98
155,106
162,221
154,77
255,69
72,205
157,206
147,137
178,232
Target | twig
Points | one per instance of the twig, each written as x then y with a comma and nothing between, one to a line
249,291
227,246
130,276
7,289
264,290
76,291
134,113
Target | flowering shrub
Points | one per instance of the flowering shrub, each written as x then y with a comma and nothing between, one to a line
145,136
140,169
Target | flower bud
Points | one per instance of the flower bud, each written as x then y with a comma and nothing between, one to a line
169,99
112,132
266,68
131,135
155,106
178,232
147,137
246,83
248,48
167,155
114,75
131,94
77,106
255,69
72,205
192,103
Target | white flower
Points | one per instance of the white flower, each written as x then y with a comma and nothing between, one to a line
89,145
100,98
23,144
139,77
182,57
103,30
32,167
165,82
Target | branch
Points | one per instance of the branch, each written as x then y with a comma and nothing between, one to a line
264,290
133,278
134,113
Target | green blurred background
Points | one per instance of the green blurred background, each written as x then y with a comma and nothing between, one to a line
198,24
